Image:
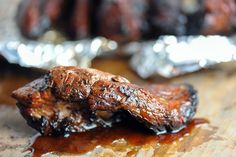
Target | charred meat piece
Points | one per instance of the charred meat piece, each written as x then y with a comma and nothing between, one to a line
179,17
79,24
161,108
74,84
220,16
126,20
122,20
34,17
71,99
52,107
48,115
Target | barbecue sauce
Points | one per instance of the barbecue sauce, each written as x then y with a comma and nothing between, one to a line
84,142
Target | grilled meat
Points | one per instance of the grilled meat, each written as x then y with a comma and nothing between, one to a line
122,20
161,108
34,17
79,22
71,99
220,16
125,20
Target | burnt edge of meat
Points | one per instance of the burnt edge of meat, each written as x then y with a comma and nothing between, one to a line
194,101
144,106
41,105
188,112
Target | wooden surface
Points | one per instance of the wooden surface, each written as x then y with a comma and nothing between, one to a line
216,88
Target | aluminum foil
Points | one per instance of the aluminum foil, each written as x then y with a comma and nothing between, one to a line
171,56
168,56
47,55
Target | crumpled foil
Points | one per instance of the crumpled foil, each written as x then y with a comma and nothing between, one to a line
47,55
168,56
171,56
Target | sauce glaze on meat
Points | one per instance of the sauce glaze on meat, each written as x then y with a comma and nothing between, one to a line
72,99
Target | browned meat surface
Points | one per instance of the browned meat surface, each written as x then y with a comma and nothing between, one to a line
34,17
161,108
220,16
71,99
79,23
126,20
74,84
122,20
176,17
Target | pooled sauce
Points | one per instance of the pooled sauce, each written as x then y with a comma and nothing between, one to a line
84,142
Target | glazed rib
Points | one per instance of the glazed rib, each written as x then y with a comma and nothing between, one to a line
71,99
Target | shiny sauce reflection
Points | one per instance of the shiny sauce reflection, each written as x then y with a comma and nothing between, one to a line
81,143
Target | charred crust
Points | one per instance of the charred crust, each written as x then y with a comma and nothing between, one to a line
38,102
190,109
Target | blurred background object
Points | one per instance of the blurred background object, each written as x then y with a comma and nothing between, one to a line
43,34
126,20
